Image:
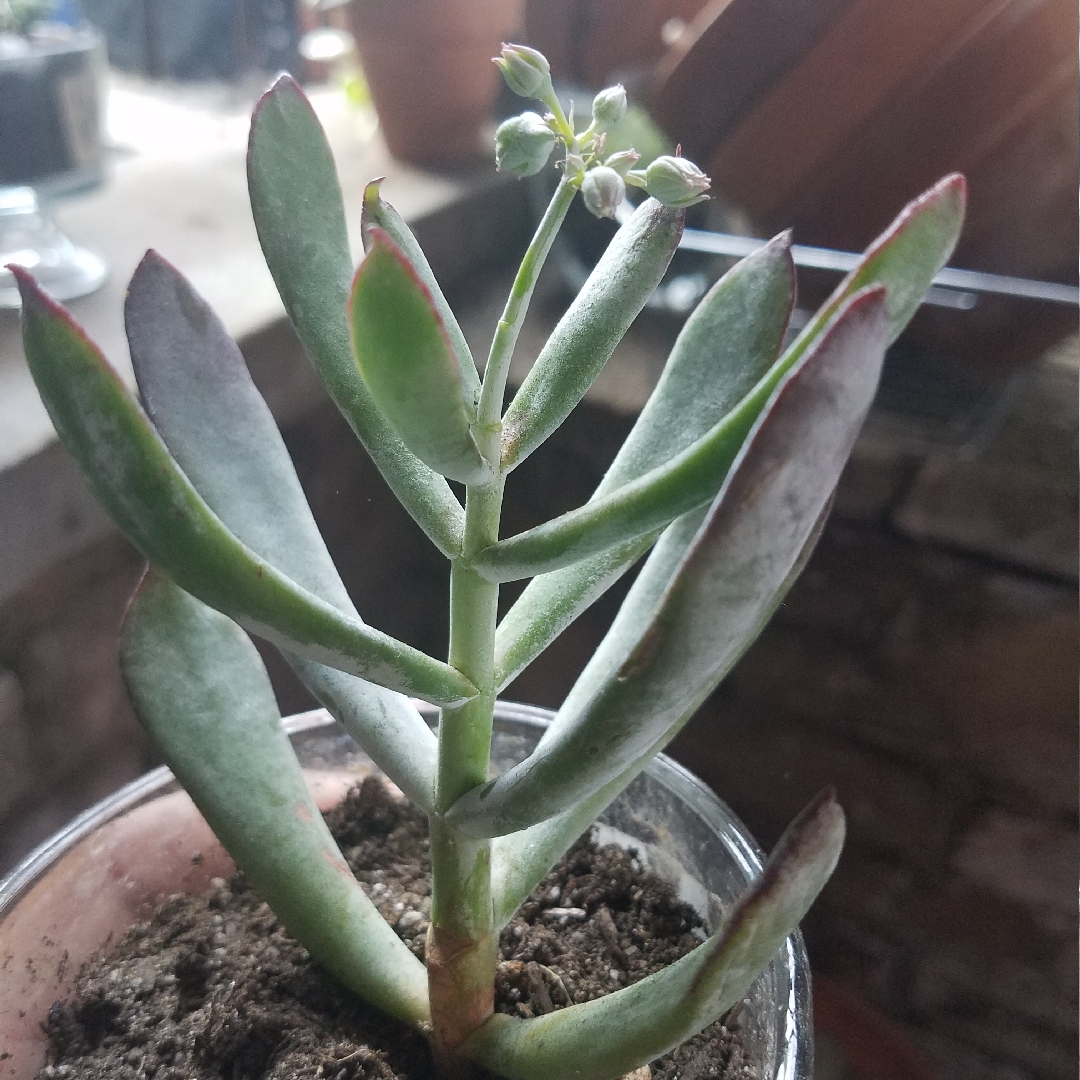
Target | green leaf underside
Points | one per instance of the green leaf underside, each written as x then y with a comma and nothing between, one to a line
905,258
724,349
726,346
739,559
202,693
130,471
299,215
198,392
410,369
378,213
551,602
592,326
610,1036
521,859
678,486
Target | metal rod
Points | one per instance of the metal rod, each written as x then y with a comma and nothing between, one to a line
970,282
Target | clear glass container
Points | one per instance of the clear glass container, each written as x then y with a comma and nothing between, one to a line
680,828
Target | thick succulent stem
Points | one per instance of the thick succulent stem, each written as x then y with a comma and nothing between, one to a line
463,939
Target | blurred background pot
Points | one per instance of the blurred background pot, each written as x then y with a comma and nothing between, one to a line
52,89
102,872
51,97
428,65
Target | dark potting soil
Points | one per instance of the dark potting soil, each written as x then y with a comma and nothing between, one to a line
213,988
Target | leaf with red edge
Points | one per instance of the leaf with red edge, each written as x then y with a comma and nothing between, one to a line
300,218
135,478
378,213
409,366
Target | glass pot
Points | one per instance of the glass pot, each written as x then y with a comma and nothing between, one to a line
84,886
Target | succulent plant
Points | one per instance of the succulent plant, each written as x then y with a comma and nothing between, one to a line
723,483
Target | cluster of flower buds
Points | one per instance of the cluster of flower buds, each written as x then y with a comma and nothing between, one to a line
523,144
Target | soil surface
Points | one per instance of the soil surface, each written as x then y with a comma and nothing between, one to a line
213,988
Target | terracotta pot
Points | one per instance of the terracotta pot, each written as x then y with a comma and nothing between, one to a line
428,64
88,883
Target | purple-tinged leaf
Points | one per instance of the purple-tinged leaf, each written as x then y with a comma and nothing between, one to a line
521,859
713,605
726,346
610,1036
905,257
131,472
198,392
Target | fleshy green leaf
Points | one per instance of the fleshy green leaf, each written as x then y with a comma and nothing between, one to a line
551,602
130,471
613,1035
905,258
595,322
203,695
680,485
296,202
200,397
377,213
726,346
408,364
520,860
714,602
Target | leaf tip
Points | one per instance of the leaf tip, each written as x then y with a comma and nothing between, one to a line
955,183
283,86
781,241
151,264
30,291
37,303
373,193
369,209
816,833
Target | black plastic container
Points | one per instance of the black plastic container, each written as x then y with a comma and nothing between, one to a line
51,96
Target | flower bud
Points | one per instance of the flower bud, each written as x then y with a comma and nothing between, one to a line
675,181
623,161
573,164
526,71
603,190
523,144
609,107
